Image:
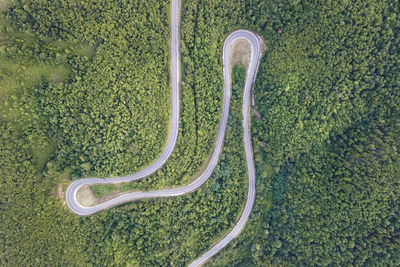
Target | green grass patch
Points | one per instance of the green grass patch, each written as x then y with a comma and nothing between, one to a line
101,190
42,153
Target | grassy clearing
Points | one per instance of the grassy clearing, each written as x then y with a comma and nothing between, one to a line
102,190
43,153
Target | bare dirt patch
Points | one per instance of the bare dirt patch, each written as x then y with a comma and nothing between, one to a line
264,46
4,4
241,52
60,192
257,113
86,197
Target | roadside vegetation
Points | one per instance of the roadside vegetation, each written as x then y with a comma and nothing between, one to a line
84,91
328,93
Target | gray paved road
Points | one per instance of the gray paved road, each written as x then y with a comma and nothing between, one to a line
74,187
255,43
251,74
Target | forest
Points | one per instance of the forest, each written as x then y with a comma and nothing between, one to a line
84,92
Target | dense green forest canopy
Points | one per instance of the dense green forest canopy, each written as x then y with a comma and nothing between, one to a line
84,91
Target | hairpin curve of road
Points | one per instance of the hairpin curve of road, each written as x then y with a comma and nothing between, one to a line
255,43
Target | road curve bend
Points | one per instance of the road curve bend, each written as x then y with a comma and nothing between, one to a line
75,186
255,43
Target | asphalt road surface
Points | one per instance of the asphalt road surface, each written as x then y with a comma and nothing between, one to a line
255,42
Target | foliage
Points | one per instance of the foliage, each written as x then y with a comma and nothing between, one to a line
328,93
35,230
84,91
129,234
340,206
110,117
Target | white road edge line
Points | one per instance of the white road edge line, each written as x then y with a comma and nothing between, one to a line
255,43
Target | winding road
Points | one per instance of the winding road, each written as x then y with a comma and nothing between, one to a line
255,43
